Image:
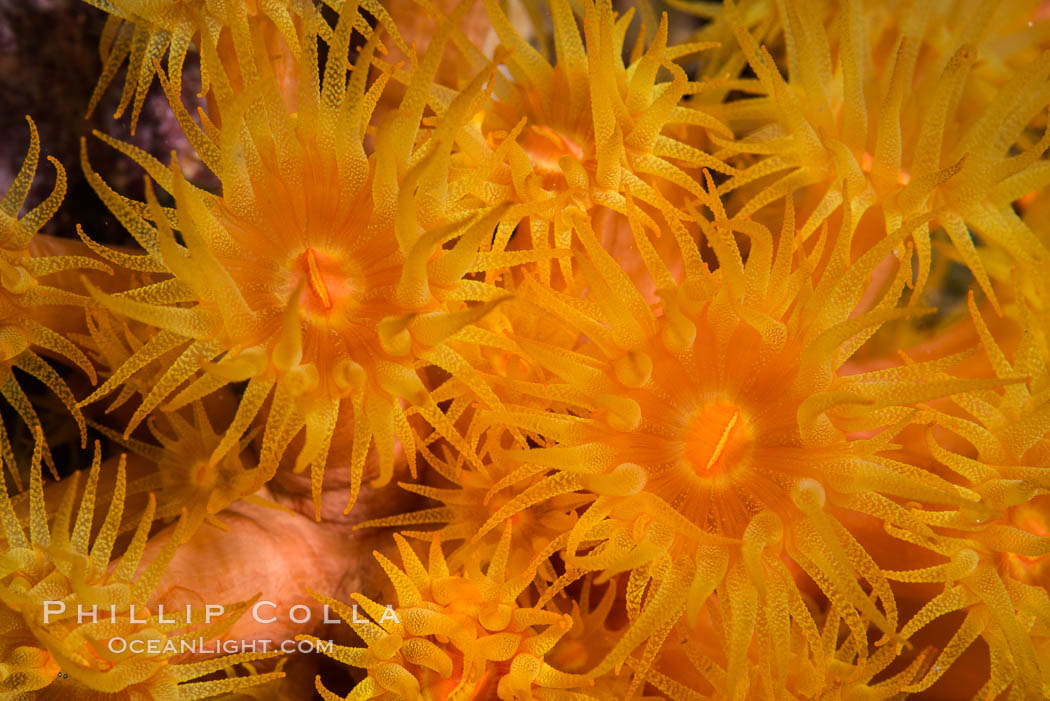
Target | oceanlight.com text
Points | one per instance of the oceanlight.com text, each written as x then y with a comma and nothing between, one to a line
200,646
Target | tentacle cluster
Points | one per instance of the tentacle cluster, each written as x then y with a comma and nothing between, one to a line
473,498
61,603
140,32
584,127
929,132
995,553
463,627
24,298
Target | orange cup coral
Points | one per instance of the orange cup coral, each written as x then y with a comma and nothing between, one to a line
719,363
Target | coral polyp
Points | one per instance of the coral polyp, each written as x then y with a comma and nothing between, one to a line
720,431
928,136
311,276
53,585
455,634
185,475
587,128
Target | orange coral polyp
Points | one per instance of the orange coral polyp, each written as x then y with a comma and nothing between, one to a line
322,274
717,438
584,128
67,560
463,626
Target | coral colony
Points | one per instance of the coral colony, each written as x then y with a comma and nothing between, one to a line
660,366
